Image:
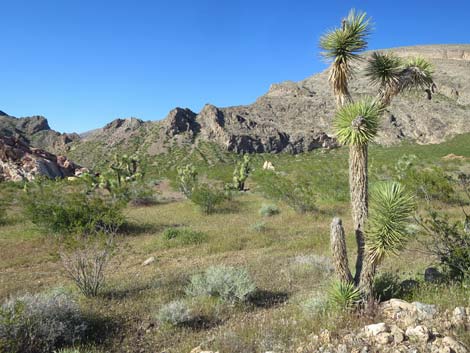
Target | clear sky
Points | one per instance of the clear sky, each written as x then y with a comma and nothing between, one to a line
83,63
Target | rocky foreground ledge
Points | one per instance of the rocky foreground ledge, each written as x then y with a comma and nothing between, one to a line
406,327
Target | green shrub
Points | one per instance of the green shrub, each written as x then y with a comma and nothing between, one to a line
59,210
174,313
183,236
207,198
315,305
427,183
344,295
387,286
449,242
259,227
40,323
227,283
299,195
269,210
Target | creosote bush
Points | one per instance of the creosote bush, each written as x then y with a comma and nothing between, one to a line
174,313
183,236
61,209
207,198
227,283
387,286
269,210
40,323
299,195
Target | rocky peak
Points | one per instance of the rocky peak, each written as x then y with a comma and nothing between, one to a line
180,121
33,124
128,124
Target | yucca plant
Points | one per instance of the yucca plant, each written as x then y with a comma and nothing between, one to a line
387,232
357,123
342,46
344,295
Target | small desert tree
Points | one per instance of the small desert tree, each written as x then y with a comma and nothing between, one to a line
357,123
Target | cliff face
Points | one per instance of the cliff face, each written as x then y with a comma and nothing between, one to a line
291,117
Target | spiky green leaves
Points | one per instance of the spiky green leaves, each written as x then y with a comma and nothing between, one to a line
344,295
357,123
390,212
342,46
417,74
384,69
345,43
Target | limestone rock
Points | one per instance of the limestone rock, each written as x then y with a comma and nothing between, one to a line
420,333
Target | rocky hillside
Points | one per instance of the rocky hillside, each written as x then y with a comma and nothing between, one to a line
291,117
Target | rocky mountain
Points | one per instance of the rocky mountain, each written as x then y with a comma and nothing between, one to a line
291,117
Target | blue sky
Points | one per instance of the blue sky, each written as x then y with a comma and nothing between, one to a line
82,63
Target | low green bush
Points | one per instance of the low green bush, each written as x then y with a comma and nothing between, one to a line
207,198
40,323
315,305
259,227
183,236
387,286
299,195
449,241
57,209
427,183
227,283
269,210
174,313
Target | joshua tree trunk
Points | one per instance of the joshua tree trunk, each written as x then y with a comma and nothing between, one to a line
358,184
367,278
339,251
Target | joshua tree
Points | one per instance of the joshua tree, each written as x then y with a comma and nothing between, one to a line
357,123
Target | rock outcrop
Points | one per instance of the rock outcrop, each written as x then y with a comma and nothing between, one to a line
20,162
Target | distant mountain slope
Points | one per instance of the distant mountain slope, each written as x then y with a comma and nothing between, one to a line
291,117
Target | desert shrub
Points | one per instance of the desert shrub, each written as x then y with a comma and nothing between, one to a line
207,198
142,195
56,209
77,350
299,195
344,295
3,213
259,227
449,242
268,210
40,323
227,283
387,286
174,313
86,259
183,236
427,183
315,305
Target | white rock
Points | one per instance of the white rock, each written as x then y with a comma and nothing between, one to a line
421,333
453,344
375,329
149,261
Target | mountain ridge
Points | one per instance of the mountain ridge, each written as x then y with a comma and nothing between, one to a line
290,117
